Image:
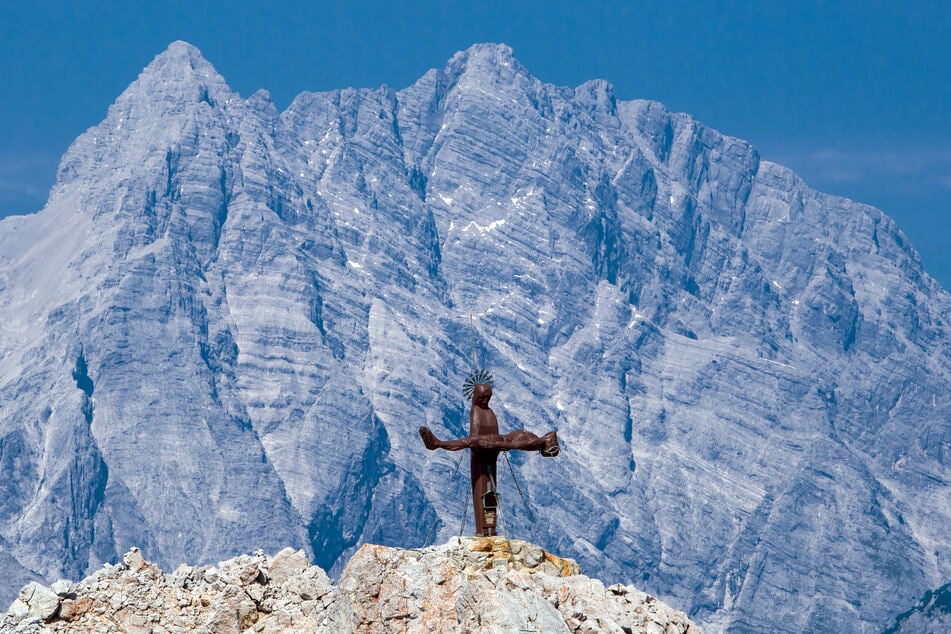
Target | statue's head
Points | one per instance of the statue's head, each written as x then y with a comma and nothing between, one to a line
481,394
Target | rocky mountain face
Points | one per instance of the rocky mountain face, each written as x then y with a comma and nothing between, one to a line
468,585
931,614
224,329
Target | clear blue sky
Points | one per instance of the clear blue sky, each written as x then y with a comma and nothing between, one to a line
855,96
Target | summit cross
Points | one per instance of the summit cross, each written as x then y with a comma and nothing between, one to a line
485,443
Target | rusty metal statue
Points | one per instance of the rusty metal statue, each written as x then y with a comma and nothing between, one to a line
485,443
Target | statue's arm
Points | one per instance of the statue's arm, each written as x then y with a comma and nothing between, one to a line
431,442
519,439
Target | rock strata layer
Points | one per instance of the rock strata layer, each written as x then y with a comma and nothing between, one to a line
466,585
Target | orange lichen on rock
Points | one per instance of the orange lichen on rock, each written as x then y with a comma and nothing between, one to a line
520,555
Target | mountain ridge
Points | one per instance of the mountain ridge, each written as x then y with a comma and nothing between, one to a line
731,358
464,585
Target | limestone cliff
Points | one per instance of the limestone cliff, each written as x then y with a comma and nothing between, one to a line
225,308
466,585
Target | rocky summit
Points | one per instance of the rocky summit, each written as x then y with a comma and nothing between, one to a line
227,324
467,585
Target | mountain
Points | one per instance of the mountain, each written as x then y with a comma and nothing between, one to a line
225,327
931,614
471,584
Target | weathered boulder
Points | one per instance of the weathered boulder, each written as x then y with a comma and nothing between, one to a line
35,602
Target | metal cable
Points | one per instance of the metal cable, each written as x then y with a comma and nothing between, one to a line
465,511
528,509
498,506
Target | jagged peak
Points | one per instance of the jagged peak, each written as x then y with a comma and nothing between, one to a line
182,71
180,49
489,50
180,54
490,58
177,85
599,93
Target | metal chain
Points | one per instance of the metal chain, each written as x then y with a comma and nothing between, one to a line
528,510
465,511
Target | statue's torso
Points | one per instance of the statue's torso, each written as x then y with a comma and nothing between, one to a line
483,421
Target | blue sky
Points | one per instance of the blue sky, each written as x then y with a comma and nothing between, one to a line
854,96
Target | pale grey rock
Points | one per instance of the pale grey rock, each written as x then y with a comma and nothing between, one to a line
286,564
134,561
453,587
38,602
460,587
19,610
144,599
226,325
61,588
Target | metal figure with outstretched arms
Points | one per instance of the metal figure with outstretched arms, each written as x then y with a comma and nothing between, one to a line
485,443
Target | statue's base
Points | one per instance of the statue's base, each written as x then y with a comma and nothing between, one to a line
495,552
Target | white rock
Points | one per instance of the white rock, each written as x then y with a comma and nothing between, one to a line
18,609
61,587
41,600
286,564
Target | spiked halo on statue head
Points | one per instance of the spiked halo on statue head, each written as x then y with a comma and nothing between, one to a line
476,377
